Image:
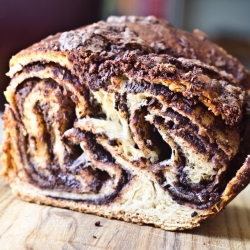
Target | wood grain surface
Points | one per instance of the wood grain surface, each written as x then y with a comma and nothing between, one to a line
29,226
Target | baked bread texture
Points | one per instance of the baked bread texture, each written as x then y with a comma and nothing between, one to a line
128,119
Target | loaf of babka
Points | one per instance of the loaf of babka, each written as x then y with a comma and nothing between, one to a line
128,119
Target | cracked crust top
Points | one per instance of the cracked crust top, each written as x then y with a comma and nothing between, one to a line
133,44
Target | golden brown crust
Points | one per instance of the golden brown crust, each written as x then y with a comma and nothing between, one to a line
178,43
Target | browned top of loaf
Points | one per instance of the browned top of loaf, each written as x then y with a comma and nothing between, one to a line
114,47
165,39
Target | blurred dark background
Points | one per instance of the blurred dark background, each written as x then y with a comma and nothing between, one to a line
22,23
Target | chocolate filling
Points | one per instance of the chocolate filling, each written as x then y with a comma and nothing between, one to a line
201,195
96,69
56,178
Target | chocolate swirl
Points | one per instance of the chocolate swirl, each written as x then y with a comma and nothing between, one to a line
103,118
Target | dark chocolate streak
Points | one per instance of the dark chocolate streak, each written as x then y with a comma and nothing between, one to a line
125,179
204,194
176,100
67,76
201,195
58,178
103,156
22,92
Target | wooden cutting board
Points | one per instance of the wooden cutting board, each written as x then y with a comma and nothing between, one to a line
29,226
